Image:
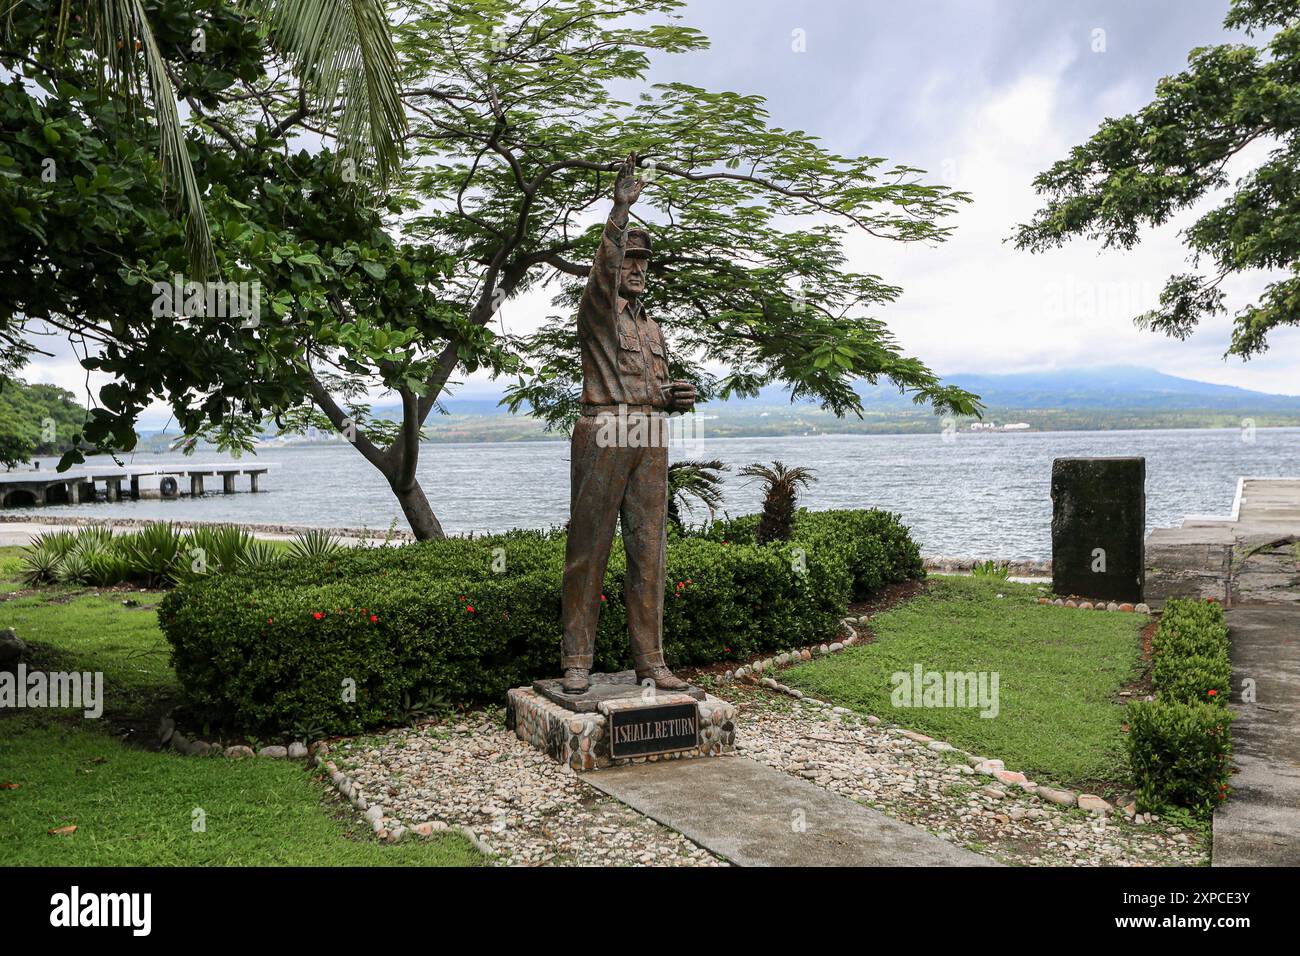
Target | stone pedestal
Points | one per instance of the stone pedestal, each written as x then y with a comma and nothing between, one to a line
1098,527
619,722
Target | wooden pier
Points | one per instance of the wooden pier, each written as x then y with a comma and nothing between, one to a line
20,489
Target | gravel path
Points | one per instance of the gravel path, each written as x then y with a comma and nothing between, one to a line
531,811
527,808
939,791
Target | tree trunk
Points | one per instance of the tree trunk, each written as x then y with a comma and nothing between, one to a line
424,523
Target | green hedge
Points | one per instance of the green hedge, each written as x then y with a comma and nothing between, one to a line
272,650
1180,743
1179,754
876,546
1191,653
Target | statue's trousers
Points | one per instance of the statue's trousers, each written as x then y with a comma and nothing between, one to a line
615,474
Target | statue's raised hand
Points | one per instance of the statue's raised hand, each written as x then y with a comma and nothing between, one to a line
627,187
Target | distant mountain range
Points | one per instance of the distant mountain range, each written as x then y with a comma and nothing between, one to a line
1125,387
1100,398
1108,387
1108,397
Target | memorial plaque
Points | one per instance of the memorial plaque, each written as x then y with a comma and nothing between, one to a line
641,731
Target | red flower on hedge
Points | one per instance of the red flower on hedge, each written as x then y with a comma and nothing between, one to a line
1212,692
317,615
602,597
374,619
269,621
469,608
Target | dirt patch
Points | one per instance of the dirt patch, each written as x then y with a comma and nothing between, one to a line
1140,688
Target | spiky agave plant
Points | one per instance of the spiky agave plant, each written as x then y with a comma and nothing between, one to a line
694,479
780,497
258,555
314,543
152,552
40,565
211,549
41,558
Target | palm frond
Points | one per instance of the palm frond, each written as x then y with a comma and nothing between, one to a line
119,31
343,51
694,479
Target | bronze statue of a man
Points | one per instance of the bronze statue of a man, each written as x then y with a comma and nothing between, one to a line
624,378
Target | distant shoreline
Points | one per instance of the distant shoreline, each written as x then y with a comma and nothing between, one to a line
939,564
865,432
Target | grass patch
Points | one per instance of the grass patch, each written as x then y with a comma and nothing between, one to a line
135,808
1060,670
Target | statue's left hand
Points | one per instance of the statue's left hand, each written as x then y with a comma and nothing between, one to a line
679,396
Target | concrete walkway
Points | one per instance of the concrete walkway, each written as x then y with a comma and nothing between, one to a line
1260,823
753,815
1245,556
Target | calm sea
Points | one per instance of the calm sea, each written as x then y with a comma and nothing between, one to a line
982,495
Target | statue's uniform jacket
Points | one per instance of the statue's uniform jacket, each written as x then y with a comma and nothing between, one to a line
624,363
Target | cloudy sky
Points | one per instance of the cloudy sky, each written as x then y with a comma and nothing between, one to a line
984,94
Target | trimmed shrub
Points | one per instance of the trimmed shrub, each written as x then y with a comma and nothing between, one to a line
1191,648
339,642
876,547
1180,743
1180,753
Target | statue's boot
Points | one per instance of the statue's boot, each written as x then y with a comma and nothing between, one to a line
663,678
576,680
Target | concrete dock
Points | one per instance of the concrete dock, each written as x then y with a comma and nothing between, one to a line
1246,556
26,489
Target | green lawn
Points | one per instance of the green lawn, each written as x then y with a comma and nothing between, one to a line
1060,669
133,807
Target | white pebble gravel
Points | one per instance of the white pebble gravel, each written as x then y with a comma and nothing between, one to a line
527,809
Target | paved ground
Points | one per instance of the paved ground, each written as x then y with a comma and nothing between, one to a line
756,816
1260,823
1247,556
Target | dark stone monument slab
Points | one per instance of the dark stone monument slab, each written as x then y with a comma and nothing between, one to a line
604,687
1098,527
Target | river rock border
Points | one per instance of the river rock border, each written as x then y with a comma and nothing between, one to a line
386,827
1084,605
981,765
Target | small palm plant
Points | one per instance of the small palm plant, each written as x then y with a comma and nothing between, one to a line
315,543
1000,570
780,497
694,479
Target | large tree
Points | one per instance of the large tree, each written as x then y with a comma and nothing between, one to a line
515,133
1141,169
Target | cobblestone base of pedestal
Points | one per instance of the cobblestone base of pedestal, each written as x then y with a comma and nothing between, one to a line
582,740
